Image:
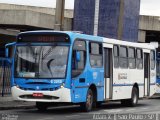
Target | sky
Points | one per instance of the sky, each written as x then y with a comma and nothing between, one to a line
148,7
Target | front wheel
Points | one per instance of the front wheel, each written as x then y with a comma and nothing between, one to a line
88,105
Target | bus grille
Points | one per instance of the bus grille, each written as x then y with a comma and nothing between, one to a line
47,97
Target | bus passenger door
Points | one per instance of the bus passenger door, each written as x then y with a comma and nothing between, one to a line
108,73
146,74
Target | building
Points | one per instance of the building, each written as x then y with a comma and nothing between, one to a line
117,19
18,18
149,29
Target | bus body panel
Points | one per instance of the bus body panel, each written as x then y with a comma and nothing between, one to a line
90,76
74,89
60,95
121,89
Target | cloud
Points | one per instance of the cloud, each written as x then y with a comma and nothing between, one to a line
43,3
150,7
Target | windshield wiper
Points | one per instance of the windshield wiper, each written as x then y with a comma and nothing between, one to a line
49,66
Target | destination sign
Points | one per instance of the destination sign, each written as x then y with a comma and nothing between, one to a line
42,38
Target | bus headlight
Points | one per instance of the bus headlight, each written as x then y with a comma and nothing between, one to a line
17,86
62,86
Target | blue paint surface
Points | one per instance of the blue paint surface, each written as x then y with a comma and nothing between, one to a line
131,20
84,16
108,18
109,11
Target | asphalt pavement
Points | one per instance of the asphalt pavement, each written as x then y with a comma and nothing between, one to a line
7,103
147,109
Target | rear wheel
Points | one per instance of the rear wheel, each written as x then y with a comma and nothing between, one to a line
134,98
41,106
88,105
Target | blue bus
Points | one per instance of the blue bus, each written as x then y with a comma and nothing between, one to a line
68,67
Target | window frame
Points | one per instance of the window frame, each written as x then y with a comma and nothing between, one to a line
141,51
116,56
131,58
90,53
86,47
152,60
121,57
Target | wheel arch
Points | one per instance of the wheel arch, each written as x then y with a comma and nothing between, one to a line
94,90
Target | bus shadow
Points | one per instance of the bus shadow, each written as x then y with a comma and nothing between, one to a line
69,110
118,105
157,97
61,110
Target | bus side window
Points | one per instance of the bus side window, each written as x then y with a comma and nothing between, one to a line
78,65
131,58
123,57
116,56
95,51
139,60
152,60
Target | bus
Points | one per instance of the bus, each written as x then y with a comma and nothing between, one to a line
156,45
69,67
158,72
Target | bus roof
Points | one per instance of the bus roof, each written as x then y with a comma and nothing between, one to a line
130,44
75,35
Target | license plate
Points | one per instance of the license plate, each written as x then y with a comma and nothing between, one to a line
37,94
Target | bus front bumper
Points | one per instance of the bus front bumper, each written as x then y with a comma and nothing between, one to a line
60,95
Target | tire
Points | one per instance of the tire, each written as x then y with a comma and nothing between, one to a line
134,99
41,106
88,105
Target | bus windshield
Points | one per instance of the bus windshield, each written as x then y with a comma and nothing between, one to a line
41,61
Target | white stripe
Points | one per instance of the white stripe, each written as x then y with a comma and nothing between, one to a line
130,109
50,118
113,110
144,108
96,17
73,116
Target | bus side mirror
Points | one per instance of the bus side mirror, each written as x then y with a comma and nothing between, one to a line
6,53
78,56
9,60
9,51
